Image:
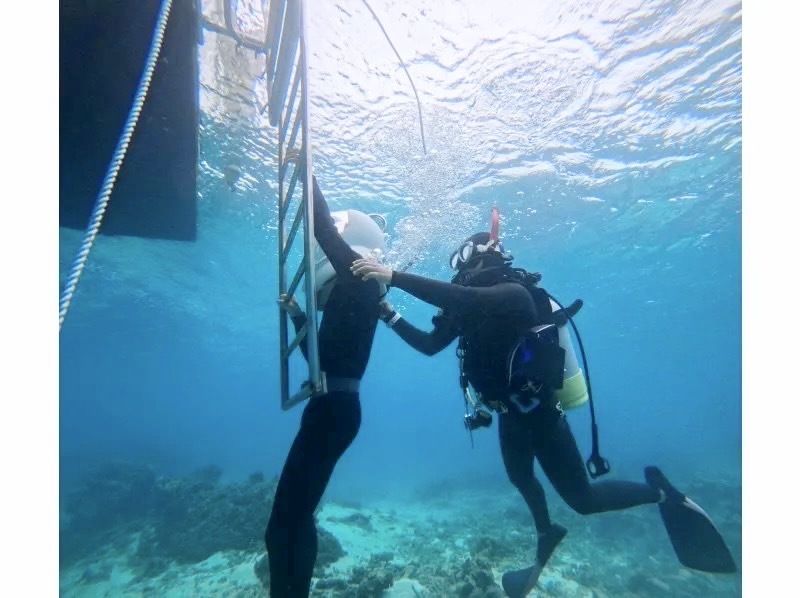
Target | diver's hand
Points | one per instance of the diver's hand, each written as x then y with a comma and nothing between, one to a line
369,269
290,306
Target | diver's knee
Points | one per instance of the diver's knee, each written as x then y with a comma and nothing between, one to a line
521,480
582,505
583,508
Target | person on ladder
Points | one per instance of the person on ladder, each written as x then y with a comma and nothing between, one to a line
330,421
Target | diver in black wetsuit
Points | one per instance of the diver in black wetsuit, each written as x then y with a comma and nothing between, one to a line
330,422
490,306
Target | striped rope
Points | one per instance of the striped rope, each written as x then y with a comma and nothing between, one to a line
116,163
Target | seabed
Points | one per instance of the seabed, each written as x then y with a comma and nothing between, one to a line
448,540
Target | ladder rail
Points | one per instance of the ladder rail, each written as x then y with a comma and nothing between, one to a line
277,10
291,38
282,316
316,377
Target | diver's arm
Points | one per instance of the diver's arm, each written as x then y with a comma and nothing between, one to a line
500,298
338,251
429,343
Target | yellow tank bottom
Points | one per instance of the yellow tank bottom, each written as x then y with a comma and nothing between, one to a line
573,393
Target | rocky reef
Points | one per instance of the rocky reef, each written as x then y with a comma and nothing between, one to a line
184,519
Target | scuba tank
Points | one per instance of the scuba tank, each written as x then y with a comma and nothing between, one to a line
571,388
573,392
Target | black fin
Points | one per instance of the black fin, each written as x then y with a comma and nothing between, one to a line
696,540
517,584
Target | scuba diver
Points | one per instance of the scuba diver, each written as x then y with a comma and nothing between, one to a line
330,421
510,354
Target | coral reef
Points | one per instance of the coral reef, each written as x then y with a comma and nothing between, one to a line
180,519
197,516
329,550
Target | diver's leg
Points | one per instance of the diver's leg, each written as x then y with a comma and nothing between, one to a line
518,449
516,446
328,426
561,461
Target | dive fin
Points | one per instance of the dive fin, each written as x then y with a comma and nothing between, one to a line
517,584
696,540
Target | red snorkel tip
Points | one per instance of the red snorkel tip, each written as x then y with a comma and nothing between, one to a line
494,235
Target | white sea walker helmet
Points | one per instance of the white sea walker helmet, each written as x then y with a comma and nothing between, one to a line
364,233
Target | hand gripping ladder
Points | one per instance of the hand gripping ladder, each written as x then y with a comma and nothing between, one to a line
287,79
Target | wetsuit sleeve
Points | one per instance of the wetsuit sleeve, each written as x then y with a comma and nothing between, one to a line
299,321
500,298
338,251
429,343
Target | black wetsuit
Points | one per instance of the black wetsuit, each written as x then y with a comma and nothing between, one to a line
330,422
491,320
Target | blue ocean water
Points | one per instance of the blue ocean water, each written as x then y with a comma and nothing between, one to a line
608,135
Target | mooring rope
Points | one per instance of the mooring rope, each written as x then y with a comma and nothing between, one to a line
101,203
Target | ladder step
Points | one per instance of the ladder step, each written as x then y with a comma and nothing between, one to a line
289,193
295,129
290,105
298,218
282,167
301,334
296,278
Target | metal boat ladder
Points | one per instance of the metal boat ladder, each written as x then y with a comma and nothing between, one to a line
287,92
287,81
